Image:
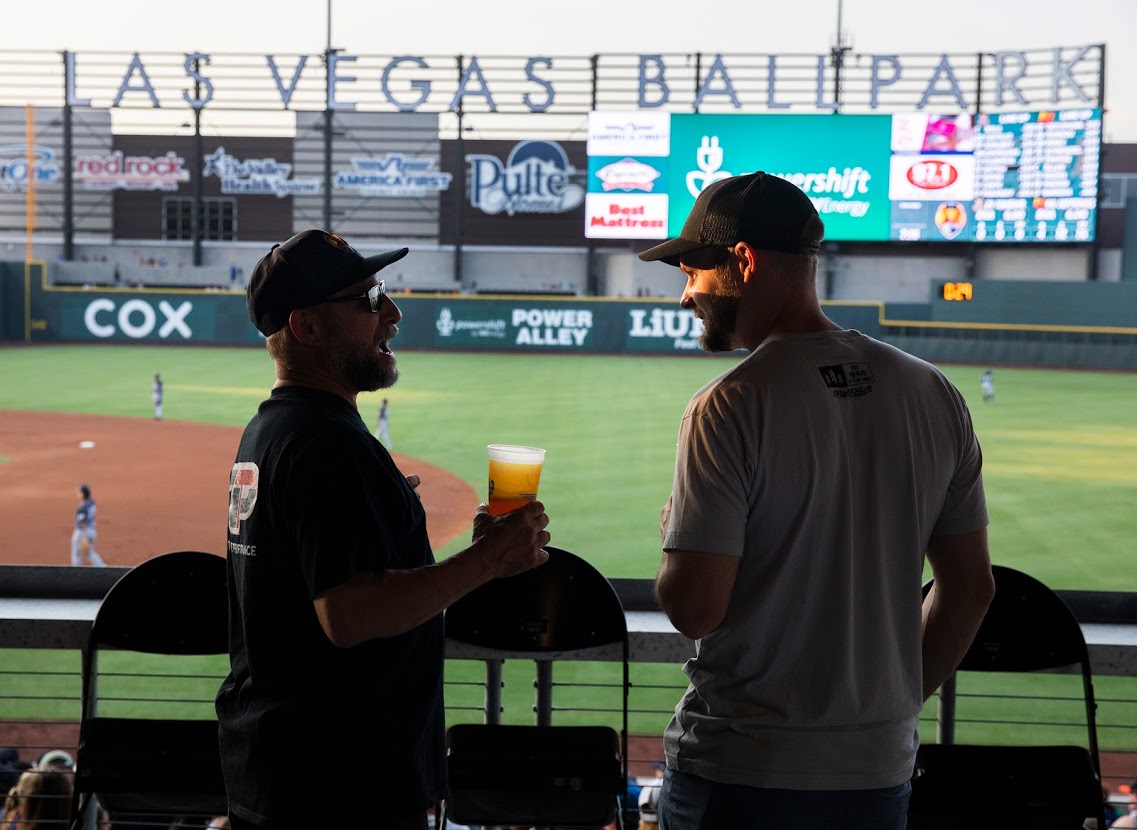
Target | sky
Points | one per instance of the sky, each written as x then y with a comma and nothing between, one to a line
584,27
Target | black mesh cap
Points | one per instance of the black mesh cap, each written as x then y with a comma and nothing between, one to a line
763,210
309,267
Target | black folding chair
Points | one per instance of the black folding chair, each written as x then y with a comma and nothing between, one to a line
146,770
1028,628
540,775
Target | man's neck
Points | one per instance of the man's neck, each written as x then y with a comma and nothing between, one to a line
315,380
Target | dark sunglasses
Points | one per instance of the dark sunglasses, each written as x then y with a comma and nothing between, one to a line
374,297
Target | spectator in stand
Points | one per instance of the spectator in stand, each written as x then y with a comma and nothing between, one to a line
56,759
10,768
1128,821
649,799
41,800
810,480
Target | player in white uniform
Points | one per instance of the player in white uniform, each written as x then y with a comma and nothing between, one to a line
987,384
383,430
156,395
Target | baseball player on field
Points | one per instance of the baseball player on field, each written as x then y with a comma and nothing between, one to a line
156,395
383,428
83,538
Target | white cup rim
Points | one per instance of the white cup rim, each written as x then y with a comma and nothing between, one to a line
516,452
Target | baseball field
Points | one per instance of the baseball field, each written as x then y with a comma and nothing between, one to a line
1060,453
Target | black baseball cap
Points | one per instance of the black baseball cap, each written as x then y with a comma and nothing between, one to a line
766,211
298,273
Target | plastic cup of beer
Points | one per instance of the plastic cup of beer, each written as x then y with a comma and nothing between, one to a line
515,472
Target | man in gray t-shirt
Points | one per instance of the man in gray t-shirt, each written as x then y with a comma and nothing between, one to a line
811,479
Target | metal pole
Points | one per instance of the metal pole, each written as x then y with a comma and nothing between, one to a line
595,61
459,188
972,249
493,691
198,156
68,175
838,58
328,139
1093,269
698,77
544,686
945,712
30,179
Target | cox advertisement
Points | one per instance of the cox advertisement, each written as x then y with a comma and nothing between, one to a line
840,161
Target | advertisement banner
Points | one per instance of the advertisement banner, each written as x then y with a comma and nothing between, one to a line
526,193
249,179
440,322
840,161
626,216
627,175
636,133
150,317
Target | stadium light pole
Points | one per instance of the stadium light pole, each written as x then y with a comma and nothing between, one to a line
840,48
328,129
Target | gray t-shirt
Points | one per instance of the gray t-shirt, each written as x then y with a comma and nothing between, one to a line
825,461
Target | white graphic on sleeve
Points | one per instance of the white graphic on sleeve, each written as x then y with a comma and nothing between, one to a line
243,485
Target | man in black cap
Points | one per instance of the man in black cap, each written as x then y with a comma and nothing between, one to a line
335,599
810,480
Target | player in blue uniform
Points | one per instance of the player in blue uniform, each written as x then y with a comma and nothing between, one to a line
83,537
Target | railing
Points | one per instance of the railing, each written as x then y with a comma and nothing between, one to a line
46,613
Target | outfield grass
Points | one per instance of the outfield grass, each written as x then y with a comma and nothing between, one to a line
1060,454
1060,447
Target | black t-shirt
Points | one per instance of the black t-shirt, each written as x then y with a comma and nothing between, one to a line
312,734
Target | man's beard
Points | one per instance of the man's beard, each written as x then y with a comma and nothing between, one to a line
720,316
363,367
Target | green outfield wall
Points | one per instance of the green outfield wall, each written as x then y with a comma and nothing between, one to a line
436,322
1077,325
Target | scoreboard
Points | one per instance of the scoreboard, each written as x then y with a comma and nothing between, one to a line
1029,177
1007,177
1036,176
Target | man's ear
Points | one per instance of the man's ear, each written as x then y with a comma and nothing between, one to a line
304,325
746,257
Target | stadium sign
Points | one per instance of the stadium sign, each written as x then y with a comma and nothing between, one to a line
551,326
535,178
1018,79
137,319
256,176
14,166
117,171
650,327
394,175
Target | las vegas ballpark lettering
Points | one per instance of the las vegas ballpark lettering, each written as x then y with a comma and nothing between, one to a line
1019,78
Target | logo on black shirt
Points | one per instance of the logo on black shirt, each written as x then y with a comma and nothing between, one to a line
244,481
848,380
